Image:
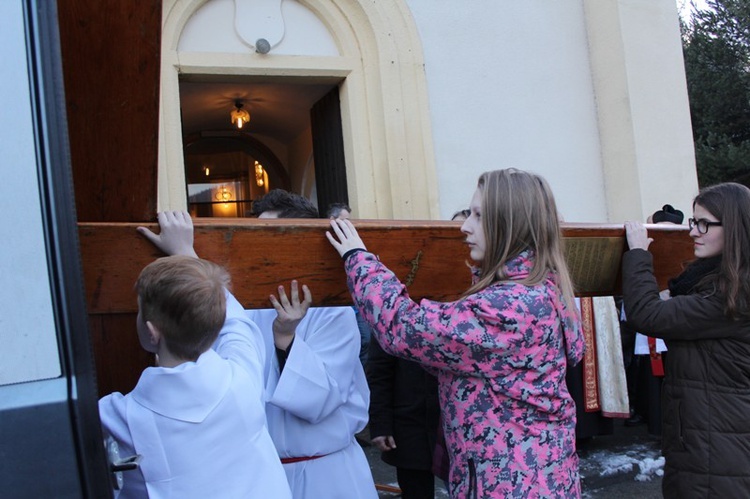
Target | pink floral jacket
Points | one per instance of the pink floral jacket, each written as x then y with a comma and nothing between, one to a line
500,356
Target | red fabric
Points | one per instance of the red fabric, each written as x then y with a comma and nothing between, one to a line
657,364
590,368
290,460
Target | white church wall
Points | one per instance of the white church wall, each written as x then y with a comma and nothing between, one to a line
589,93
510,85
644,116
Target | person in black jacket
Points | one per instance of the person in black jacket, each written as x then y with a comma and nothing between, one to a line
705,322
644,356
404,412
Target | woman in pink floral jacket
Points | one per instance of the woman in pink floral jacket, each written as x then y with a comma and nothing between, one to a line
501,351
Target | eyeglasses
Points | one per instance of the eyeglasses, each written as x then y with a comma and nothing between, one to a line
702,225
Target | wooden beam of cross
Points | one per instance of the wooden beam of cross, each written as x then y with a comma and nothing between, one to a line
429,256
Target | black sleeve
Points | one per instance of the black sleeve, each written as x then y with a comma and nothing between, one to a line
381,376
282,355
688,317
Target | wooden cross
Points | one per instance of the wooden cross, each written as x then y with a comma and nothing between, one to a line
428,256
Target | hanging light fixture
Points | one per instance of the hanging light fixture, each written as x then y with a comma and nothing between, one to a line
239,116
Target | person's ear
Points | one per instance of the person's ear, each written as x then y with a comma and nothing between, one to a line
154,335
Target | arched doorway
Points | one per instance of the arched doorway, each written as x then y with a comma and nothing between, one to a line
384,115
285,122
226,171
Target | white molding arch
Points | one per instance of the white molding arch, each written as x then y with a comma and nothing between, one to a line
384,104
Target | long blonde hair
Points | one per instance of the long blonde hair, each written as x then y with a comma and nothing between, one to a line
519,213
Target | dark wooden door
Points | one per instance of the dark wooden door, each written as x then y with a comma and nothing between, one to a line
328,151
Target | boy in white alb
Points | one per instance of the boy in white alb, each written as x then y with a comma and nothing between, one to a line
318,400
317,392
197,419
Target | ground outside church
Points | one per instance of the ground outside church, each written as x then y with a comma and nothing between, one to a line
626,464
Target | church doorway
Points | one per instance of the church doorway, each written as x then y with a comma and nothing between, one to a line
290,137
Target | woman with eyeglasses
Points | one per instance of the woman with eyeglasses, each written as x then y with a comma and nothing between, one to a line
705,321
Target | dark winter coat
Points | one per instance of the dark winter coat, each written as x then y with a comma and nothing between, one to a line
404,404
706,392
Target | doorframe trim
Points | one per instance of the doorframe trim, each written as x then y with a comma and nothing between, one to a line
384,102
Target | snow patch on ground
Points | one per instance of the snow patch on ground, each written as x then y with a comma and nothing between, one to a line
643,459
615,464
650,467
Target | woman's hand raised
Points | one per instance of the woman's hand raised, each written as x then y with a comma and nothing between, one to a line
637,235
346,238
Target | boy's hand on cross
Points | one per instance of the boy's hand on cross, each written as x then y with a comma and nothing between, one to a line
176,235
